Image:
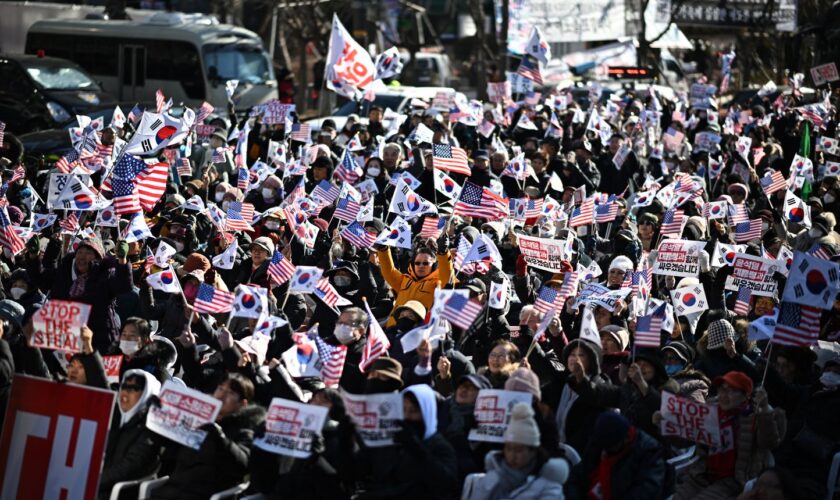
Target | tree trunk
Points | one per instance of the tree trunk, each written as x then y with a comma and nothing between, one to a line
501,58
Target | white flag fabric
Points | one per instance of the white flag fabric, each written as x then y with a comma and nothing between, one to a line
366,212
137,229
498,294
814,282
398,235
250,302
195,203
305,279
588,327
226,259
483,249
388,64
407,203
796,210
165,281
538,46
163,253
349,68
267,324
159,130
689,299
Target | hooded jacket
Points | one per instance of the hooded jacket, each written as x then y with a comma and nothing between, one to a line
544,482
407,286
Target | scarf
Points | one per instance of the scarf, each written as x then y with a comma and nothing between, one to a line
601,478
77,289
509,479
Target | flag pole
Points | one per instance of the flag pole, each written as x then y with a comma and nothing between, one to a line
769,353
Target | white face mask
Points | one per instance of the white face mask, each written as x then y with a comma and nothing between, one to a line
267,193
765,227
272,224
225,205
129,347
814,233
220,195
342,281
830,379
179,246
344,334
829,198
374,172
17,292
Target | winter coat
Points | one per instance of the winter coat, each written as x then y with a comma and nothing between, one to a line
220,463
168,310
547,482
132,452
693,385
408,287
7,372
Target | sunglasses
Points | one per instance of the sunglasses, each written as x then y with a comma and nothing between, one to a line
422,263
131,387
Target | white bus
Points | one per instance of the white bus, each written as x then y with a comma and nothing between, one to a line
189,57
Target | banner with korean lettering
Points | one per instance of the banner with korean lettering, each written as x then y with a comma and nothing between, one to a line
754,273
377,416
112,366
824,73
182,411
58,325
678,258
688,419
349,68
542,253
54,439
492,413
290,428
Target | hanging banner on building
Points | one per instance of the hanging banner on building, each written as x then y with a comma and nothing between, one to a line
678,258
492,413
53,444
688,419
290,428
565,21
754,273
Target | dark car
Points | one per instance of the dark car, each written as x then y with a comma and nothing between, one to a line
38,93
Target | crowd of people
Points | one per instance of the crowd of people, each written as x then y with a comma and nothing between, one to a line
592,427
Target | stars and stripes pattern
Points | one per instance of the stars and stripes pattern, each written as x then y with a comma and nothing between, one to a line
218,155
742,301
243,180
547,299
432,227
377,342
797,325
8,236
280,269
738,214
348,170
450,159
533,208
461,311
70,223
530,69
480,267
125,199
326,191
819,252
326,292
235,220
151,184
160,100
672,223
746,231
301,132
204,111
606,212
332,360
649,329
476,201
66,163
183,167
212,300
347,209
583,214
773,182
357,236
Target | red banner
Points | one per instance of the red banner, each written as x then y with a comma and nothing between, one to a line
53,439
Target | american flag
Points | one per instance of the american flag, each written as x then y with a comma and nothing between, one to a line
184,167
204,111
151,184
135,114
325,291
746,231
477,201
301,132
149,261
347,209
356,234
797,325
738,214
533,208
245,208
480,267
18,174
125,199
377,342
606,212
332,360
547,299
432,227
243,179
160,100
212,300
583,214
8,237
218,155
530,69
65,163
774,182
348,170
461,311
280,269
326,191
450,159
236,219
819,252
742,302
672,223
104,151
649,329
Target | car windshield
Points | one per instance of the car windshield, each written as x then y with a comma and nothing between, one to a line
52,77
391,102
246,63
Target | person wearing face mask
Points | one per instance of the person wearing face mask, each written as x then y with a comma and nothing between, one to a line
132,451
457,418
679,358
170,311
219,193
820,234
25,292
350,330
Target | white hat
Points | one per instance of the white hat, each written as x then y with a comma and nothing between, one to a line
621,262
522,428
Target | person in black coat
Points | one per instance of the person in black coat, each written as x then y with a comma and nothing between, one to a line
222,460
132,451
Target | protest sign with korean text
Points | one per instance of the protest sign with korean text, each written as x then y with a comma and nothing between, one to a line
58,325
678,258
754,273
824,73
290,428
54,442
492,413
377,416
542,253
688,419
112,366
182,411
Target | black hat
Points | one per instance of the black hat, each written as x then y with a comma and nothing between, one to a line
481,154
682,350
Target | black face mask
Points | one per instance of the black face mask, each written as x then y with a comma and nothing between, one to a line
406,324
416,428
377,386
277,135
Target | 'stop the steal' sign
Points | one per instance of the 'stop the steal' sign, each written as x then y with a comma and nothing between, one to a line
688,419
58,325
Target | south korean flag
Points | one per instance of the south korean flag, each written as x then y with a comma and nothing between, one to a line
814,282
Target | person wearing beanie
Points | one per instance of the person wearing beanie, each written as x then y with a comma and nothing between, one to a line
752,429
618,267
522,469
678,357
89,276
524,379
621,461
614,343
719,352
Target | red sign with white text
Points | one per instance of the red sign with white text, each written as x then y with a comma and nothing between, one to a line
53,439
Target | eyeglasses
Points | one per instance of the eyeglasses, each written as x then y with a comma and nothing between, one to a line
497,355
131,387
422,263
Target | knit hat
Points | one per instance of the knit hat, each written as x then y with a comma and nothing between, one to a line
621,262
524,380
610,430
94,244
683,351
621,335
522,428
196,261
718,332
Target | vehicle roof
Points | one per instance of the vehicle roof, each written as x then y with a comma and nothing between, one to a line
23,58
193,32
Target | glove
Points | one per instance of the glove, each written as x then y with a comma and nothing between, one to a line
213,431
521,266
443,244
122,250
33,246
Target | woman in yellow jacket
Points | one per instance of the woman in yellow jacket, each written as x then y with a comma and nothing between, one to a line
422,278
